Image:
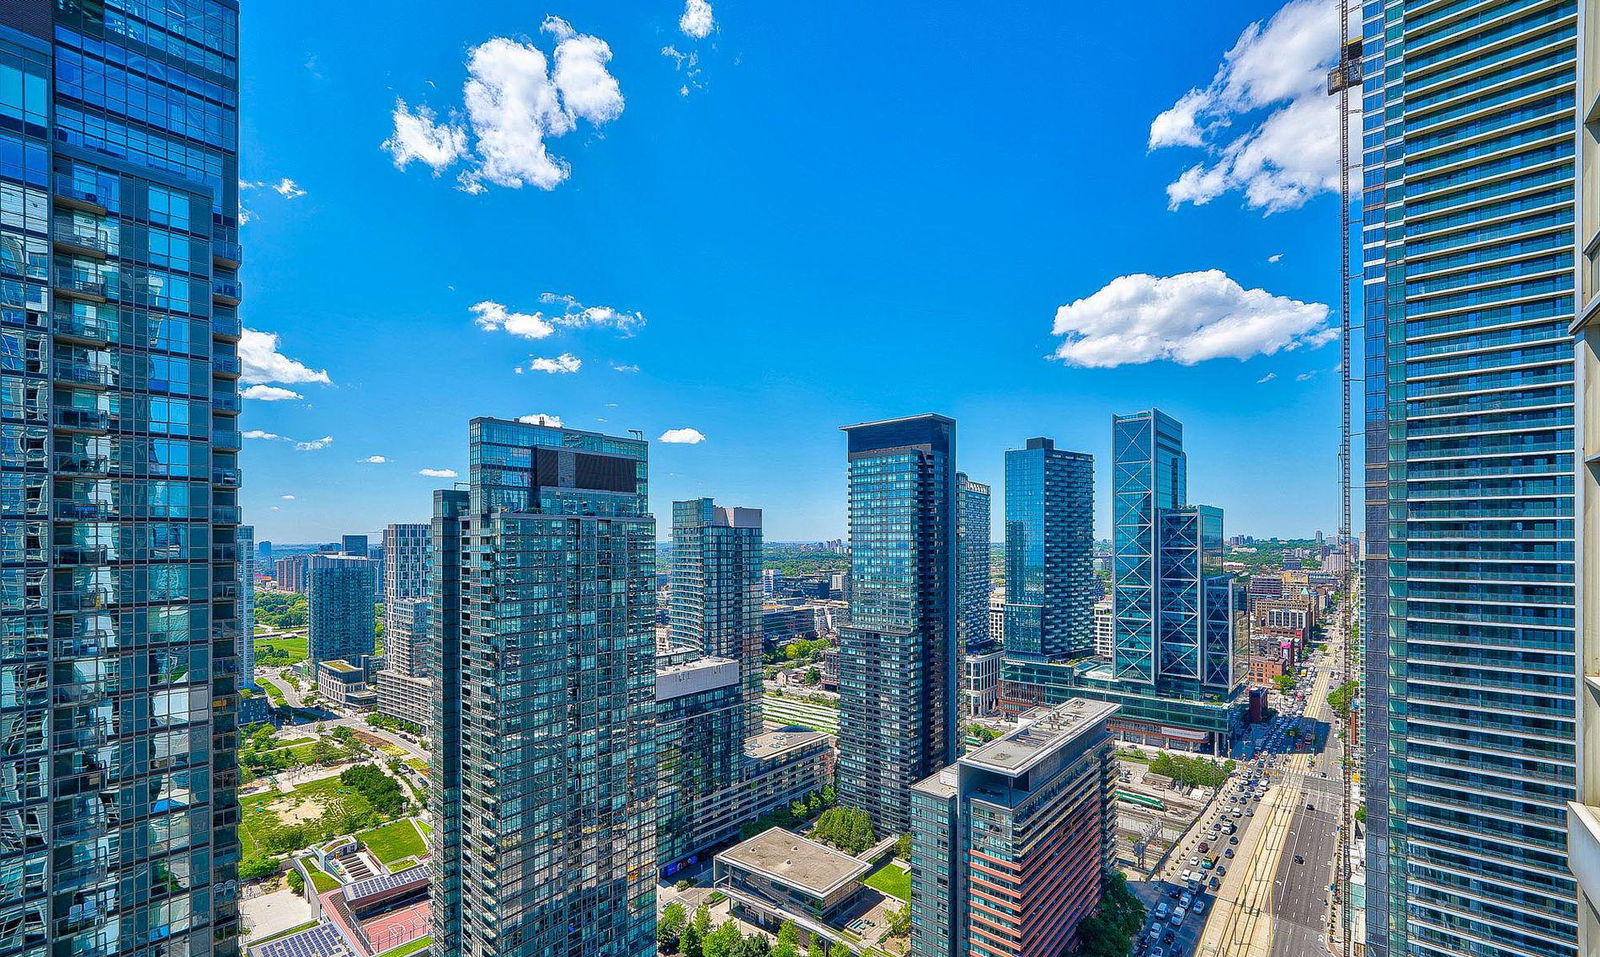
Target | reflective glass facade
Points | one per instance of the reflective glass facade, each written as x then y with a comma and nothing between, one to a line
972,564
1466,246
1050,587
715,604
898,656
1148,474
405,568
341,623
545,770
120,585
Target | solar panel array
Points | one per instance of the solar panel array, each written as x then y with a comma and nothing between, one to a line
320,941
360,891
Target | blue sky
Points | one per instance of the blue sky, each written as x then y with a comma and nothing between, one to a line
833,213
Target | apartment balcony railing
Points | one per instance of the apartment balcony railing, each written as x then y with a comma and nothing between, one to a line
83,420
227,591
224,553
229,291
226,439
84,285
69,464
68,193
71,510
82,599
82,555
227,478
227,327
225,366
99,242
85,374
227,252
225,514
226,403
67,325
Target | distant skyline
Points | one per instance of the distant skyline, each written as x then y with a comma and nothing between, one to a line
683,257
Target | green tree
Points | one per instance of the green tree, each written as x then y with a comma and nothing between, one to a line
1284,683
689,944
721,942
670,927
902,847
702,920
255,868
753,946
788,935
900,922
296,882
815,950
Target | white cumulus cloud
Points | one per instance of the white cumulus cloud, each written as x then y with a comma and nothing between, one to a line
270,393
288,188
437,473
696,20
541,418
287,498
542,323
258,434
314,445
564,364
682,437
1266,120
624,367
1275,257
261,362
374,460
1266,378
1187,318
516,99
492,316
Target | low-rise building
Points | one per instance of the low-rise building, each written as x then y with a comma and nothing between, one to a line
980,682
344,685
778,876
1105,629
404,697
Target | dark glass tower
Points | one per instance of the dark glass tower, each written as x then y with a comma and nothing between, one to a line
898,656
119,477
1050,587
545,770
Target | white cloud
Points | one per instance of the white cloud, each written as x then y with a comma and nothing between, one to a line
624,367
490,315
418,136
287,498
262,362
541,418
276,509
314,445
1280,160
1275,257
564,364
270,393
515,99
696,20
1266,378
373,460
288,188
437,473
682,437
258,434
1187,318
1306,376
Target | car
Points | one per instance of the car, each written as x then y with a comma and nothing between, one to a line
1161,911
1233,839
1159,952
1174,893
1299,859
1169,937
1228,853
1207,863
1204,846
1216,882
1222,869
1177,917
1199,907
1187,899
1194,862
1310,806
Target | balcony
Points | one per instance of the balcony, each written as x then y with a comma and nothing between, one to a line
83,420
227,633
225,403
227,327
225,591
70,237
225,514
82,286
69,464
83,329
225,365
85,374
228,291
82,555
71,195
226,478
227,440
69,510
225,553
82,599
227,253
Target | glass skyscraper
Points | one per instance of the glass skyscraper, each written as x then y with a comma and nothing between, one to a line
121,601
1149,473
898,656
341,623
544,770
1466,246
973,518
1050,586
715,603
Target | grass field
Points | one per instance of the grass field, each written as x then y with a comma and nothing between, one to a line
892,881
321,879
393,842
295,648
410,948
263,813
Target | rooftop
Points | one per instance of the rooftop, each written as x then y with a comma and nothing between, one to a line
1048,731
796,862
774,744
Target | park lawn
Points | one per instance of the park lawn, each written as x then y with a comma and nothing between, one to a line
392,842
417,764
410,948
264,811
294,647
891,880
427,829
